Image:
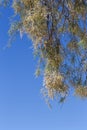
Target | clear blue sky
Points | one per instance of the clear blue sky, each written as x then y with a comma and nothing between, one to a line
22,106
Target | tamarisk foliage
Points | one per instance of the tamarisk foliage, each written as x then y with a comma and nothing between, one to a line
58,29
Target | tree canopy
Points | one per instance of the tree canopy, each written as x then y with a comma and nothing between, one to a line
58,29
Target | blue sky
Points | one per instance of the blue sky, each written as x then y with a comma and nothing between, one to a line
22,106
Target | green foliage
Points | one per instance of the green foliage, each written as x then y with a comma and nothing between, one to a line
46,22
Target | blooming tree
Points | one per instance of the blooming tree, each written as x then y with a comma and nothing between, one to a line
58,29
